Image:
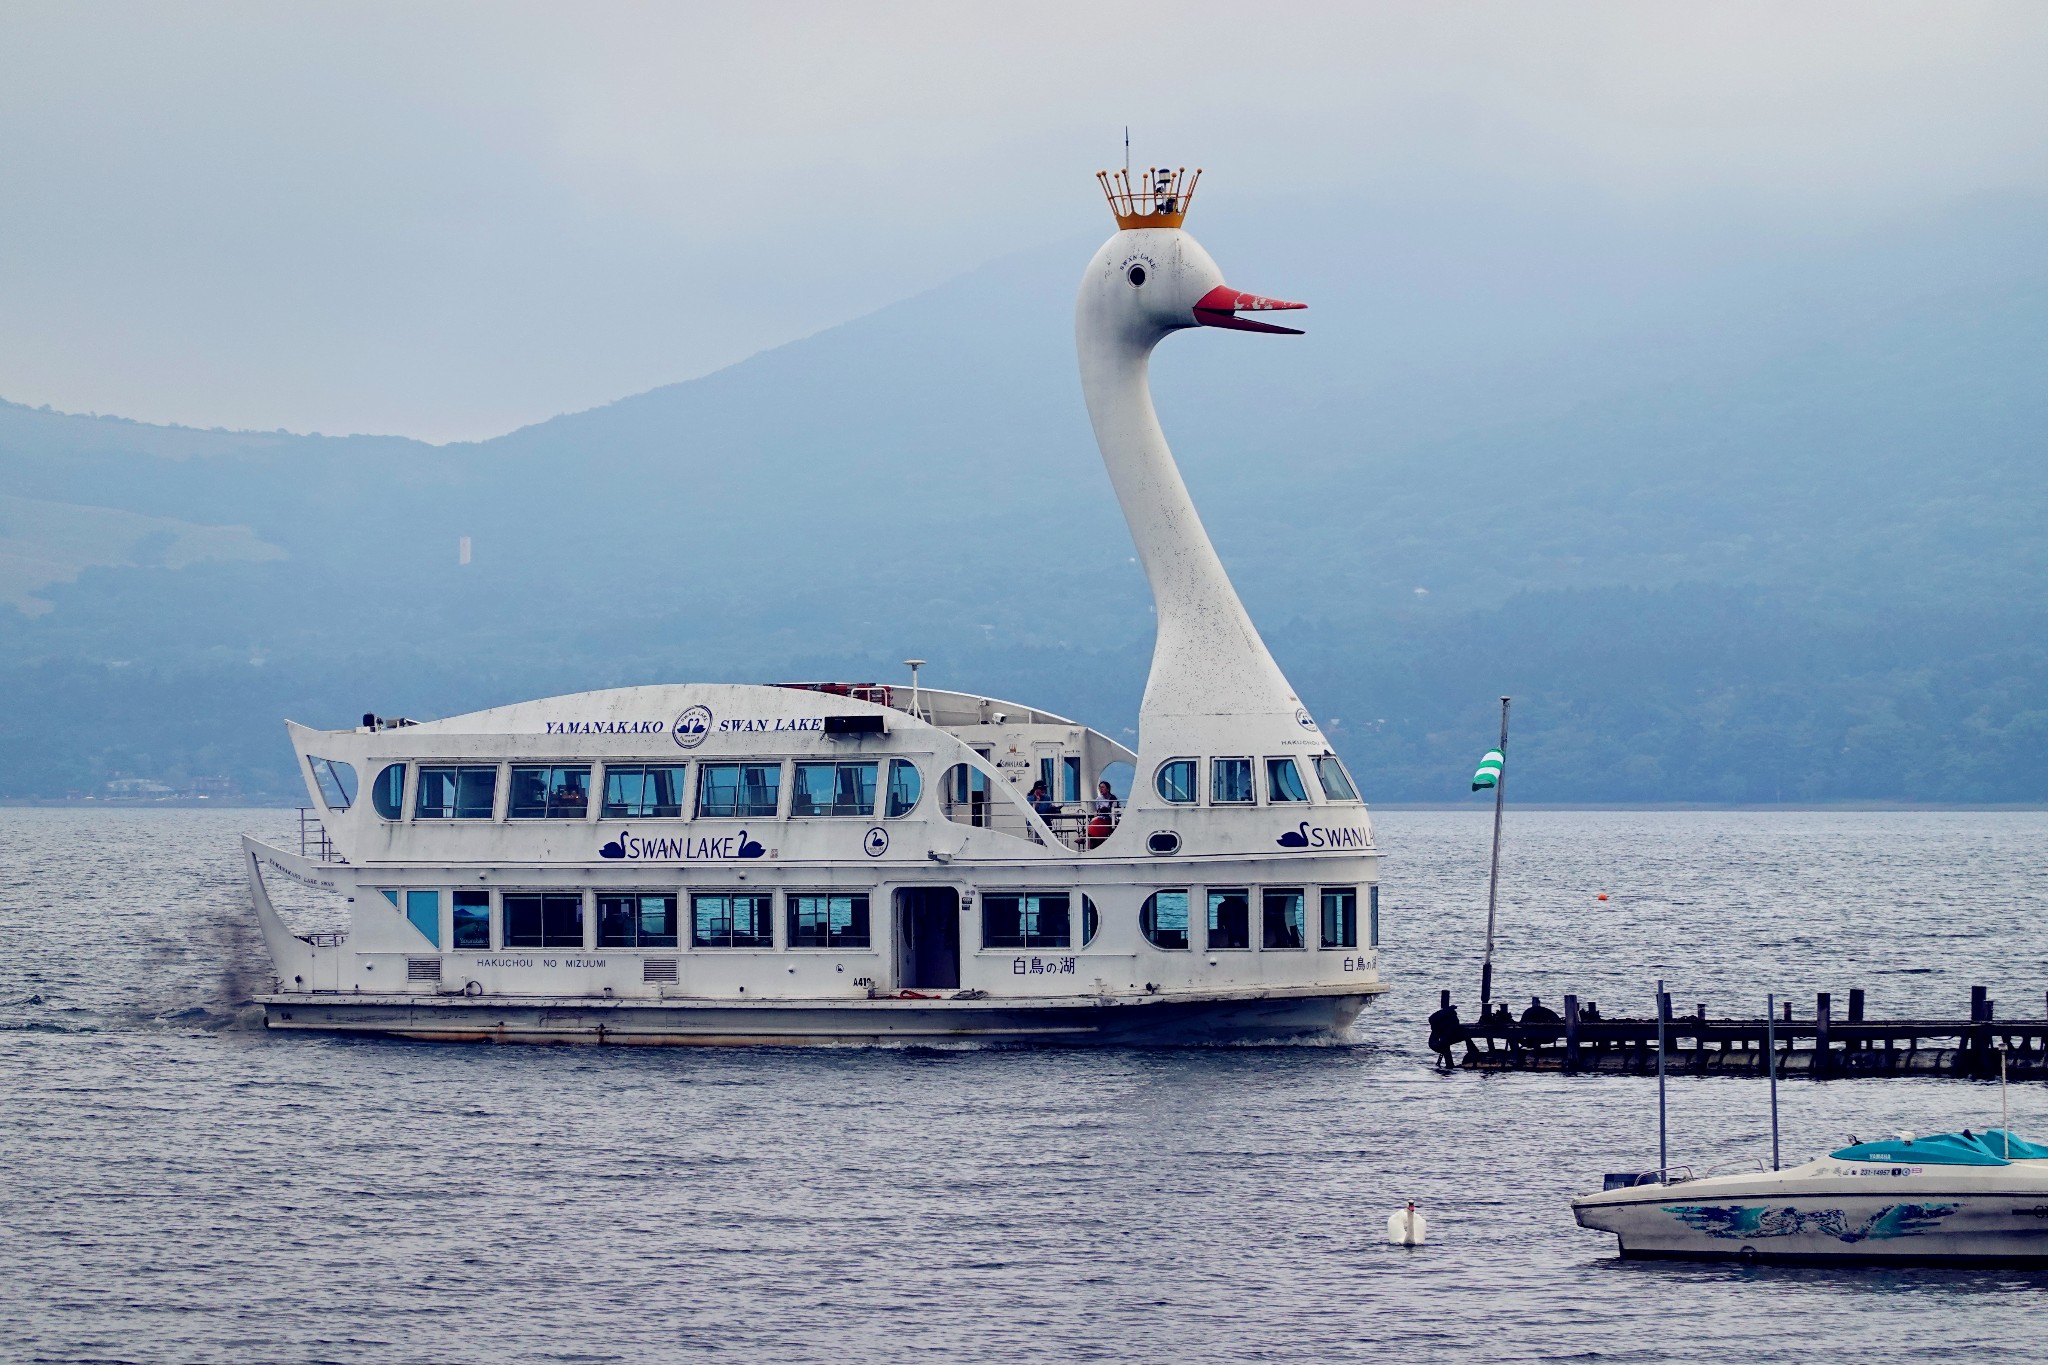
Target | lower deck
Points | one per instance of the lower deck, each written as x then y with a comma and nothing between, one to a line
1219,1019
1195,930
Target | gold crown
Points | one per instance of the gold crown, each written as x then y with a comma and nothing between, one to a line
1159,200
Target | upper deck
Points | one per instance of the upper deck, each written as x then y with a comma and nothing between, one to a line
815,772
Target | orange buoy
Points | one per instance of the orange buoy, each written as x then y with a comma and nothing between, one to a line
1603,895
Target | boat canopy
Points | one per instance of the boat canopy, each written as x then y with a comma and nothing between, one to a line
1946,1149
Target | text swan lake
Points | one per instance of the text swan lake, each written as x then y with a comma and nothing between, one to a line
686,848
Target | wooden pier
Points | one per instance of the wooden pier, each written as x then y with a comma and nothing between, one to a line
1818,1046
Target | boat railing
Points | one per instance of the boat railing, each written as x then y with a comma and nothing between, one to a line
1739,1165
1076,824
1079,826
314,841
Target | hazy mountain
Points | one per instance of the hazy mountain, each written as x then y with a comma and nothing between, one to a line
1734,520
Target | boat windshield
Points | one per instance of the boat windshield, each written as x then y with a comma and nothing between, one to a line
1937,1149
2012,1145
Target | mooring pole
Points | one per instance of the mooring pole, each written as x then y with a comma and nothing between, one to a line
1771,1049
1663,1133
1500,790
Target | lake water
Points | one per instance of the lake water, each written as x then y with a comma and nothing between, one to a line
175,1185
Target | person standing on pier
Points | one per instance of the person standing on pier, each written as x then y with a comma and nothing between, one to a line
1498,1024
1446,1031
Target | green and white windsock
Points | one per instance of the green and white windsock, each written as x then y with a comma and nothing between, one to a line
1489,770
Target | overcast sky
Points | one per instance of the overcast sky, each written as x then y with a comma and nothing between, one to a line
450,220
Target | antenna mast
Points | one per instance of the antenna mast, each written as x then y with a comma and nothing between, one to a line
1500,785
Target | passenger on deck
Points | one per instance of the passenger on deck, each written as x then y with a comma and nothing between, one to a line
1446,1031
1103,817
1041,800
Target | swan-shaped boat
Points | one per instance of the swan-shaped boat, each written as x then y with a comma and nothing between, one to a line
859,862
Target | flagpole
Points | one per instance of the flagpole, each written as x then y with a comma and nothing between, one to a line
1500,788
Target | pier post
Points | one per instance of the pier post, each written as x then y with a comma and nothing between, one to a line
1823,1008
1982,1043
1663,1128
1855,1016
1571,1035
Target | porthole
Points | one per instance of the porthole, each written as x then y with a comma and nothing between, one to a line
1136,275
1164,841
1163,919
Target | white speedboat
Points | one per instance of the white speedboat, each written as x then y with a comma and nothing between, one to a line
1949,1198
857,862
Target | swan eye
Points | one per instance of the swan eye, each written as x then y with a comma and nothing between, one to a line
1136,276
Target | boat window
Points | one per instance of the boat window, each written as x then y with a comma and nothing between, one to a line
732,921
905,786
833,789
1061,774
967,796
543,921
423,908
1283,781
1032,920
636,920
451,793
1176,780
1230,781
1373,891
549,793
1230,919
387,793
1163,919
1283,918
643,791
746,790
472,919
1336,782
828,920
1340,916
336,780
1090,921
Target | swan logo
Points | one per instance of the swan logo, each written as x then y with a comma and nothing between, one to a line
693,727
876,843
632,848
1319,836
1303,718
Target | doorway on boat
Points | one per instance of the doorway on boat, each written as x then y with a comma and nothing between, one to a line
928,938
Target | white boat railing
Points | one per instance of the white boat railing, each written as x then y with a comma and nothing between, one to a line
314,842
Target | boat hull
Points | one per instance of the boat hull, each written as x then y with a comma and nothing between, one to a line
1919,1226
1141,1022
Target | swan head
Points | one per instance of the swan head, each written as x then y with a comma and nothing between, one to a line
1146,283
